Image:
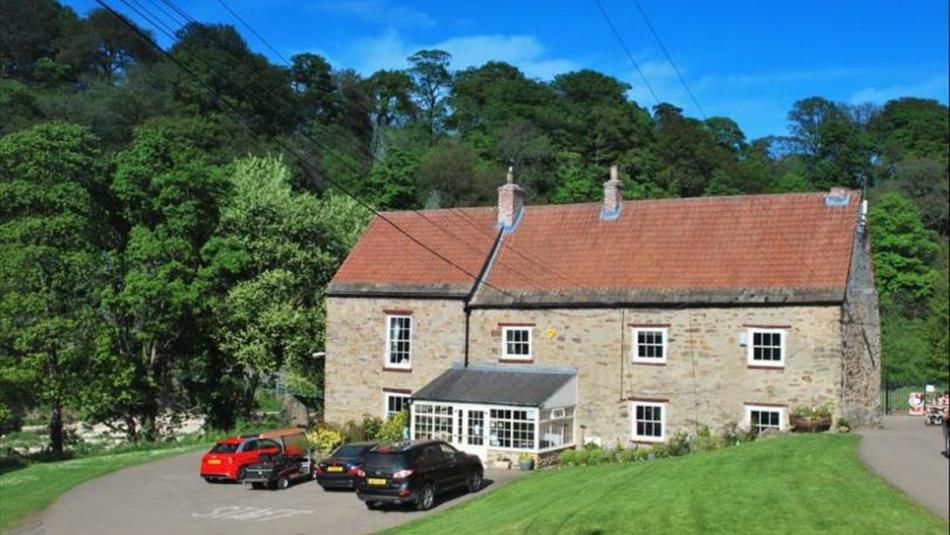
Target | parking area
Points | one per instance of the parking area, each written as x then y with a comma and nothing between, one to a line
168,497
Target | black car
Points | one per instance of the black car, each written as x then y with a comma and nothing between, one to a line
416,472
339,470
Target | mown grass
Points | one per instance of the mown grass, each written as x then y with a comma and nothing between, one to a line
796,484
37,486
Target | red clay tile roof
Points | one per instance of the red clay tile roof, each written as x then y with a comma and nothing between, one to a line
386,260
774,247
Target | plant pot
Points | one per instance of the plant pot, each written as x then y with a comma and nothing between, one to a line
526,464
810,424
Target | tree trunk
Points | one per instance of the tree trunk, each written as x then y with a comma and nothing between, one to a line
56,428
250,391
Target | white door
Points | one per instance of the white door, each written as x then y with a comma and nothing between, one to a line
474,433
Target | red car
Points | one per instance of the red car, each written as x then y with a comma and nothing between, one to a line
227,460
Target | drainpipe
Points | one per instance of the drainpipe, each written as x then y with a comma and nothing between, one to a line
468,318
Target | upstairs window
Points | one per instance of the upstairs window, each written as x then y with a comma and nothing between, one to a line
517,343
766,347
649,345
398,341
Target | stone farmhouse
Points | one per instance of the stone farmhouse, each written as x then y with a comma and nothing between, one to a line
521,328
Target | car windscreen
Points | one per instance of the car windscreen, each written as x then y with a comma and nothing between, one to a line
224,448
349,452
391,461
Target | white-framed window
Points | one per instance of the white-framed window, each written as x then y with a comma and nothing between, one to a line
432,421
650,344
398,341
511,429
516,343
649,421
395,402
761,418
766,347
556,428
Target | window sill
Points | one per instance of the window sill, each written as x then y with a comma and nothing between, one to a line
647,363
397,369
648,440
765,367
515,361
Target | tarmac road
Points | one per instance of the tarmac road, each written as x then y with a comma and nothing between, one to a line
168,497
910,456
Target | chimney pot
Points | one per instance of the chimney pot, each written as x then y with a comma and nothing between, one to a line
613,195
510,201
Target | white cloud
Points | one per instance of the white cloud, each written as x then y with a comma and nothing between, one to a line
936,87
379,12
390,50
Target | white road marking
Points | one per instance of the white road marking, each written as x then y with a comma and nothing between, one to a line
260,514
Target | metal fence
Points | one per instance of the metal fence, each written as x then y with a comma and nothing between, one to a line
895,398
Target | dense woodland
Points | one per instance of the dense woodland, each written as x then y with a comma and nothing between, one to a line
168,223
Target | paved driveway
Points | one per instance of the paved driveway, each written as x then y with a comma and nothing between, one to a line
167,497
909,455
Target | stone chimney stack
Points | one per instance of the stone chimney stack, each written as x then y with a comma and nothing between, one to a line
613,196
510,202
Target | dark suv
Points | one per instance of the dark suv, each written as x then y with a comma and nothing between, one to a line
415,472
340,469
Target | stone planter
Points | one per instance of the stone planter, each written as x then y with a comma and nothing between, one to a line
526,465
810,424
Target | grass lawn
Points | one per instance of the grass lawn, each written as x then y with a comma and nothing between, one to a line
796,484
37,486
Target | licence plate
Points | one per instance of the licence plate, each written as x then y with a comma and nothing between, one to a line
214,461
375,481
334,469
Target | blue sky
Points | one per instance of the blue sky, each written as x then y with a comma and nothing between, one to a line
749,60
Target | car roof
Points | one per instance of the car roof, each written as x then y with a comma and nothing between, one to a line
365,444
403,445
230,440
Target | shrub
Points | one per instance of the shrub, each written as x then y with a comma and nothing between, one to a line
325,438
598,456
706,441
568,457
678,445
659,451
641,454
590,446
392,429
371,425
582,456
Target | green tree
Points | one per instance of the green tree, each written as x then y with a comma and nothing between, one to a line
431,78
836,151
50,233
903,250
169,193
912,128
392,184
275,251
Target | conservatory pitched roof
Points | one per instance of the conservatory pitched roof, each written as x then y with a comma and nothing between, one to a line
497,386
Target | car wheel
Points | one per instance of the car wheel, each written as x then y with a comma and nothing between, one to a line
209,480
475,481
257,486
371,505
283,483
426,498
242,473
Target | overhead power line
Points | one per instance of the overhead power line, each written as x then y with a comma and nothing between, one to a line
626,50
669,57
188,19
233,113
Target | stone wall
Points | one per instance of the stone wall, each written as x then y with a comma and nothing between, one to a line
706,379
861,340
356,350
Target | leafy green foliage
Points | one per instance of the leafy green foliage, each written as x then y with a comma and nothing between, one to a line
903,249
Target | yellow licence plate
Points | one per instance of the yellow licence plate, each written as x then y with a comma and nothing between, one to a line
334,469
376,481
214,461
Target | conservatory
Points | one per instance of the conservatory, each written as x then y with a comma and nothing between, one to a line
490,411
